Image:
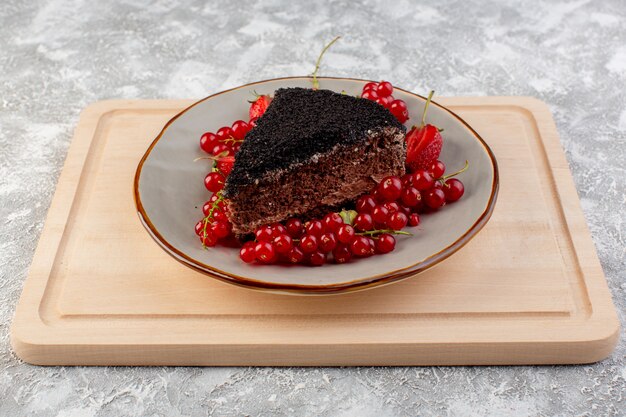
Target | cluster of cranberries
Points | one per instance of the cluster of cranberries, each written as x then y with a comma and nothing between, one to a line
396,202
227,140
315,241
381,93
215,225
221,147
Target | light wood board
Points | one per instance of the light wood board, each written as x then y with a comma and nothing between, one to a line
527,290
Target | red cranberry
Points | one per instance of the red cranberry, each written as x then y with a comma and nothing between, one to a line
294,227
384,89
208,239
437,169
327,242
264,234
435,198
380,214
214,181
385,243
369,86
199,227
317,258
208,141
391,206
283,244
295,255
360,246
405,210
224,133
377,196
410,197
332,222
383,101
247,252
239,129
221,150
372,244
308,243
314,227
422,180
363,222
206,207
225,164
265,252
390,188
345,234
219,215
342,254
399,110
370,95
453,190
365,204
407,180
220,229
278,230
397,221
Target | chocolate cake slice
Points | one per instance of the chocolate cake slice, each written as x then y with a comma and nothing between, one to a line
313,151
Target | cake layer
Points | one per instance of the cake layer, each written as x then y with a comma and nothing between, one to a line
326,182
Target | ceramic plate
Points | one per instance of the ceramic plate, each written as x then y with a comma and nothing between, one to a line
169,193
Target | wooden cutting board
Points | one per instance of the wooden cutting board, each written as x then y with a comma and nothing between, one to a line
527,290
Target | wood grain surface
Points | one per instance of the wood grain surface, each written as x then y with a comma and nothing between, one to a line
527,290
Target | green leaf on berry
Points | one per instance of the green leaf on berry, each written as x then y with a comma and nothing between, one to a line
256,96
348,216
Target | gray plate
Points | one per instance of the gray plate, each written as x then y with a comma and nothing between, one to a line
169,193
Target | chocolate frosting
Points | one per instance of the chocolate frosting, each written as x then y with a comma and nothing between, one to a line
299,124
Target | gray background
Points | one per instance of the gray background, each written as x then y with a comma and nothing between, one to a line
57,56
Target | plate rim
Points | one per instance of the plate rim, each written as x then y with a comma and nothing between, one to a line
350,286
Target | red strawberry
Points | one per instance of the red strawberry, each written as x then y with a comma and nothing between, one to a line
423,143
225,164
259,106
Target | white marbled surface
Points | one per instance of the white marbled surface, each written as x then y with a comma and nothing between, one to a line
57,56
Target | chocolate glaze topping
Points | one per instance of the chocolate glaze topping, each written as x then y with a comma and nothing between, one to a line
300,123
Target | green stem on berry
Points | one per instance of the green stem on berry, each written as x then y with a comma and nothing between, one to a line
443,179
316,84
205,221
211,157
430,97
256,96
373,233
230,140
214,159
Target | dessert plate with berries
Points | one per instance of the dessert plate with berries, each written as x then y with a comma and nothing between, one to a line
315,186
